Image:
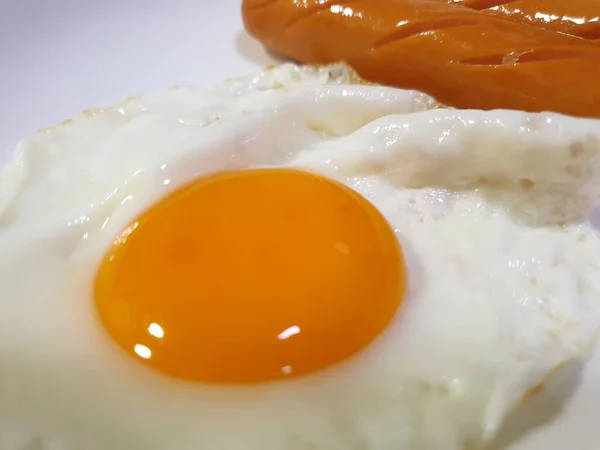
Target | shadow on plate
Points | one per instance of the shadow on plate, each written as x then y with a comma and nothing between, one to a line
542,409
253,51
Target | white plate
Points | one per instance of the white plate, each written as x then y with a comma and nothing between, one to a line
58,57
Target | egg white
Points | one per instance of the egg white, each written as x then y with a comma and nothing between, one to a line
491,210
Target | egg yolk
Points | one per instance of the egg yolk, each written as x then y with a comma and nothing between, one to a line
251,276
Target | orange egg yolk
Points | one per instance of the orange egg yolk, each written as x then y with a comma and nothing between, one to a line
251,276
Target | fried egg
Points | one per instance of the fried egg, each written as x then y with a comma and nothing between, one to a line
292,261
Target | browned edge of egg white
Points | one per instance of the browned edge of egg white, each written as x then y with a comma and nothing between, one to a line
353,79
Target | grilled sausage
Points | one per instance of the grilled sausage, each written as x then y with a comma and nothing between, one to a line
463,57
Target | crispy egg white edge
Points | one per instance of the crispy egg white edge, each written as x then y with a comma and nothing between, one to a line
329,129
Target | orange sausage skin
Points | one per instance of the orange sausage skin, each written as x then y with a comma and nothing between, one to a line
462,57
576,17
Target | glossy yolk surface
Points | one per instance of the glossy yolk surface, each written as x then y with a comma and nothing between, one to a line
251,276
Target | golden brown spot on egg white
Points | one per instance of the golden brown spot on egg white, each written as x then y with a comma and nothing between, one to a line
576,149
540,387
251,276
574,171
526,184
536,390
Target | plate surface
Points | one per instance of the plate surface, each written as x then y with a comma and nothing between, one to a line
58,57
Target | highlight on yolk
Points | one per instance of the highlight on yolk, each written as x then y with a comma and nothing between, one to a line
251,276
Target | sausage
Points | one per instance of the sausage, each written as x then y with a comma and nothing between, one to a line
576,17
463,57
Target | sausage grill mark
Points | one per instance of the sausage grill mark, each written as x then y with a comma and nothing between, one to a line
418,28
591,33
480,5
533,56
